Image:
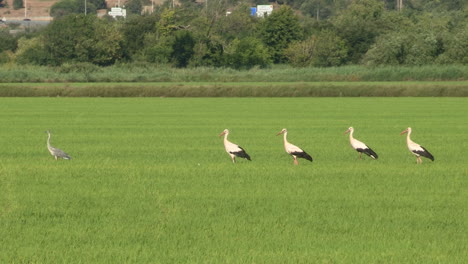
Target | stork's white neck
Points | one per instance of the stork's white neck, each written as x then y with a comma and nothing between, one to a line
48,140
351,138
285,140
408,139
225,137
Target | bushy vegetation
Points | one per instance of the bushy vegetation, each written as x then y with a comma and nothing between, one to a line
148,72
321,34
236,89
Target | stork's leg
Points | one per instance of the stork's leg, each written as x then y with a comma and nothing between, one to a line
56,158
233,159
295,161
360,155
420,160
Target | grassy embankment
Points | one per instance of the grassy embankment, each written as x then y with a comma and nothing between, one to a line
150,181
146,80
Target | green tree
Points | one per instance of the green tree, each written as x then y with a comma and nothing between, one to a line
108,43
167,23
158,50
319,9
209,52
421,48
7,41
359,25
98,4
324,49
134,6
80,38
31,51
280,29
398,48
239,24
182,48
63,8
330,50
455,48
300,53
134,31
389,49
247,53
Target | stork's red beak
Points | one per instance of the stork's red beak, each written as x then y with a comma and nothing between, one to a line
222,133
281,132
406,130
346,132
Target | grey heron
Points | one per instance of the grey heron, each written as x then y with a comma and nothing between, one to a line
57,153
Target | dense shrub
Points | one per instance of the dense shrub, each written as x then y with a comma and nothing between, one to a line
134,6
280,29
31,51
6,56
359,25
80,38
208,53
160,51
63,8
324,49
247,53
455,48
7,41
300,53
182,48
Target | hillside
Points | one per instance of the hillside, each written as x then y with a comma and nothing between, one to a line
39,9
36,9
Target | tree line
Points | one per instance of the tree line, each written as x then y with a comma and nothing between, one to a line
302,33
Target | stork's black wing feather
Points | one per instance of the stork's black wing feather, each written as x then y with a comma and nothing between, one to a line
425,153
303,155
241,154
369,152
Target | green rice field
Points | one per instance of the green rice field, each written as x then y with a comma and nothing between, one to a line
150,181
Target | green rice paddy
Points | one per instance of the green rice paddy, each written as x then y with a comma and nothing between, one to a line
150,181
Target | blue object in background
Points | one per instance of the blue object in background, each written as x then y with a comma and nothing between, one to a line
253,11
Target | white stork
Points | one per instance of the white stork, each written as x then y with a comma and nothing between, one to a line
293,150
415,148
232,149
360,146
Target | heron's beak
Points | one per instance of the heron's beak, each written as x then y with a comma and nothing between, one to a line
406,130
346,132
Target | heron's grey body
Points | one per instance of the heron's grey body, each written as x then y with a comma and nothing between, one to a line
57,153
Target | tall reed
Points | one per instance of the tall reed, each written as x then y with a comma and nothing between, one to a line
142,72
